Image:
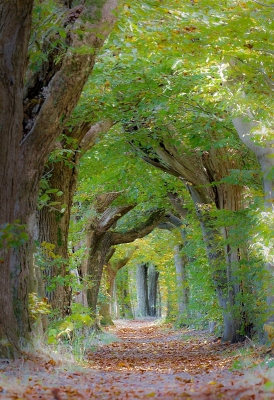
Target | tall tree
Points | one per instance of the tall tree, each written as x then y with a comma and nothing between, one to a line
31,120
53,220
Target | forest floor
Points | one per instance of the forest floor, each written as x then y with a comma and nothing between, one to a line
145,361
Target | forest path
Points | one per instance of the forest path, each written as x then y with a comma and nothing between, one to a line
148,361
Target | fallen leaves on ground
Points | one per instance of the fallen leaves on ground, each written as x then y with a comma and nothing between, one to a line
148,361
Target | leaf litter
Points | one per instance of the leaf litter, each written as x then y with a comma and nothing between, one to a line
147,361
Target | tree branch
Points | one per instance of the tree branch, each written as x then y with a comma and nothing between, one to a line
170,222
263,4
144,229
111,216
178,204
160,166
89,139
118,264
245,127
104,200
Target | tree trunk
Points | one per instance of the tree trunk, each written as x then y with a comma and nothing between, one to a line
110,272
159,303
222,276
95,269
15,25
53,225
106,308
106,319
180,265
247,129
114,306
26,140
153,276
142,290
53,221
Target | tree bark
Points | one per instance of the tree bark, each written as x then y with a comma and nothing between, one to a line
153,276
15,25
247,129
142,290
180,265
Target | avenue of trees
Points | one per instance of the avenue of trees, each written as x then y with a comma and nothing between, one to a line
136,165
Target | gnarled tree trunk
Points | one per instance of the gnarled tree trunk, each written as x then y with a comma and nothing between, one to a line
26,140
15,25
53,222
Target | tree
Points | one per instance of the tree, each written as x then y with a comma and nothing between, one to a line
142,290
31,119
54,219
153,276
180,264
112,266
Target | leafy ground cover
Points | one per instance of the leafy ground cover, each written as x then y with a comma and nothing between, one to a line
147,361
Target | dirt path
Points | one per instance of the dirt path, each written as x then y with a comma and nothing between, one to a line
146,362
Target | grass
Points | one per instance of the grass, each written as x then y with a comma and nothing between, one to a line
71,350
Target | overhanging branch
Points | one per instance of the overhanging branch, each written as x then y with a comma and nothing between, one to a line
140,231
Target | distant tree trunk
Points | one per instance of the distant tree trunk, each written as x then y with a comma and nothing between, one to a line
180,265
110,272
106,318
159,302
142,290
169,306
153,276
114,305
95,267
